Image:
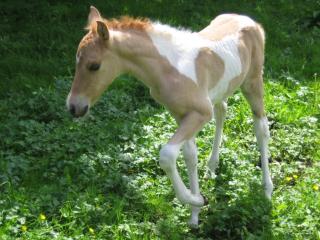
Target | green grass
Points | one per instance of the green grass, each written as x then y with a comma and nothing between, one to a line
103,173
99,177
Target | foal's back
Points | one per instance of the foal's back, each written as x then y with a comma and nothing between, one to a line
250,46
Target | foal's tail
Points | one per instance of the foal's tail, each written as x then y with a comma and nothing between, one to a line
261,31
261,35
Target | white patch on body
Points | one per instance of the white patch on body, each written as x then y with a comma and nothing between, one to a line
227,50
181,48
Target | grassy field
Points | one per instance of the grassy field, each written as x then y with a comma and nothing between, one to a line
99,178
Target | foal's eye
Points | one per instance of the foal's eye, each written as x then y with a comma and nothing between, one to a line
94,67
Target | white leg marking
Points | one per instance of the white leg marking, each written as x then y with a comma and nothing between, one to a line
168,156
191,159
219,115
179,47
227,49
262,134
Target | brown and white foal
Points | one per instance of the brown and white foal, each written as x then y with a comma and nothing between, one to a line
191,74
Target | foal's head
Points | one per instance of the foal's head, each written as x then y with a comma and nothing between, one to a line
96,66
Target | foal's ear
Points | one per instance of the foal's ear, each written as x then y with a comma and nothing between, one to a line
94,15
102,30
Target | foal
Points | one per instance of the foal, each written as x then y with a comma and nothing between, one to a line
191,74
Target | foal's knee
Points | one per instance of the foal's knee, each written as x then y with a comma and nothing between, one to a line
168,156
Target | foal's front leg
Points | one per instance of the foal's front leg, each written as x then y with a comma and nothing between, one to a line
188,127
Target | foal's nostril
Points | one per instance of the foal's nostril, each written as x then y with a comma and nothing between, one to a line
78,111
72,109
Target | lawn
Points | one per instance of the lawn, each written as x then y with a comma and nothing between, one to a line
99,177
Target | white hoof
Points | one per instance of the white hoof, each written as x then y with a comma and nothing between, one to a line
193,223
213,164
210,174
194,218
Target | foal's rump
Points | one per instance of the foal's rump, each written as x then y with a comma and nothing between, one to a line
227,24
246,48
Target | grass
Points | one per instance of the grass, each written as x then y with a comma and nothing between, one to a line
99,178
102,173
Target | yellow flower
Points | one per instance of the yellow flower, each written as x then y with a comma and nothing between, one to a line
42,217
295,176
24,228
91,230
288,179
315,187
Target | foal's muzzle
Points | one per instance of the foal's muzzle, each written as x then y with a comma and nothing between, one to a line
78,106
78,111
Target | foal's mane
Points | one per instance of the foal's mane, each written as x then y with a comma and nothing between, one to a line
123,23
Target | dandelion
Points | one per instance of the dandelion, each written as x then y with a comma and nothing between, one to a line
295,176
315,187
42,217
24,228
91,230
288,179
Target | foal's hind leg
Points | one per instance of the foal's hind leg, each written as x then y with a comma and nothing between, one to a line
219,115
253,91
191,159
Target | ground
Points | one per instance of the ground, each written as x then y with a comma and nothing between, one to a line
100,178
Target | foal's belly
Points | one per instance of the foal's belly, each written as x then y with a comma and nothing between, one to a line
224,89
181,98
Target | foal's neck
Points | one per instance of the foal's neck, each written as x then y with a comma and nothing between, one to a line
137,55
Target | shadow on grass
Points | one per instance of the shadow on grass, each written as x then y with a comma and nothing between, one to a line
247,216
